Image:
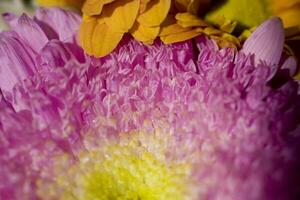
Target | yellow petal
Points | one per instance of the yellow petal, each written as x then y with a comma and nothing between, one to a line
86,32
280,5
155,13
226,25
143,5
104,40
188,20
169,27
222,43
94,7
210,31
143,33
179,36
61,3
231,41
120,15
172,29
291,16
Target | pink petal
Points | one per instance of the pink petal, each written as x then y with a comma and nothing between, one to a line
28,30
291,64
64,23
16,61
266,43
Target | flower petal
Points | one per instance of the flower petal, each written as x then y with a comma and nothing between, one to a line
287,10
188,20
104,40
94,7
155,13
120,15
143,5
291,64
16,61
29,31
143,33
170,26
168,39
61,3
86,31
266,42
290,17
65,24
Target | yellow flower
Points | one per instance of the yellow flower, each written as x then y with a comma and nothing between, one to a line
106,21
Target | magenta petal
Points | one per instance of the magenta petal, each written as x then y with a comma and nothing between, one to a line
266,43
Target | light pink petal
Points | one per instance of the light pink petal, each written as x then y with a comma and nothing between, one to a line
64,23
291,64
16,61
28,30
266,43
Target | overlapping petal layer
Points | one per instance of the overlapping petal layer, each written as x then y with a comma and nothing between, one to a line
145,21
219,124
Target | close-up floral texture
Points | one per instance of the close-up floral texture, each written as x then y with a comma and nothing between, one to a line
149,100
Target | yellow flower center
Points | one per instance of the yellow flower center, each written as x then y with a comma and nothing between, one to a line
133,168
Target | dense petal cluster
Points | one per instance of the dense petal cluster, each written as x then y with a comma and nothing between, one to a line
199,121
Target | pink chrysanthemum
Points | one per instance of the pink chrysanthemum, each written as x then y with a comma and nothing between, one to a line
180,121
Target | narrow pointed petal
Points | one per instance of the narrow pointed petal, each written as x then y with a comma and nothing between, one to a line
266,43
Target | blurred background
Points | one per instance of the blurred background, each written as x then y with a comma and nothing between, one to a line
15,6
